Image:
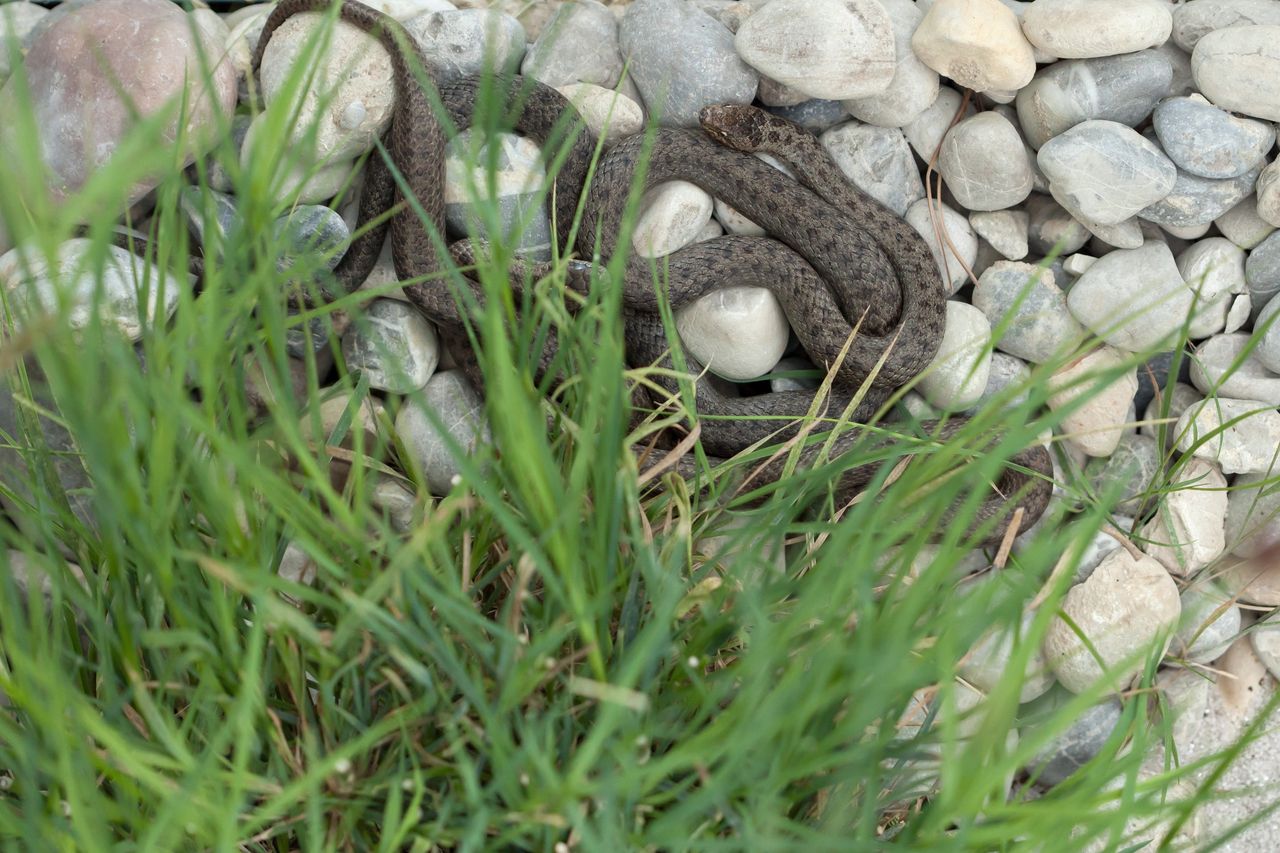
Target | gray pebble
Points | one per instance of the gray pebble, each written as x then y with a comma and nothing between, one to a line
1268,326
926,130
1210,142
1262,272
1253,514
1195,200
1041,327
458,43
447,401
1123,89
914,86
219,178
1051,230
877,161
1106,172
815,114
794,373
1004,230
1194,20
393,345
1242,225
1183,83
682,59
310,231
985,164
1221,367
211,217
1202,636
1007,372
1214,269
1154,375
1267,190
1126,473
521,208
1078,745
1236,68
1134,299
1179,399
578,45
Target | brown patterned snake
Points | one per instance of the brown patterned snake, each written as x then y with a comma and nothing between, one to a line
836,255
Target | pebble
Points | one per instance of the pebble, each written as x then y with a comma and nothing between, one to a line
393,345
1009,379
1040,328
926,131
1221,367
1192,21
959,235
682,59
1186,533
150,51
305,180
771,93
365,419
308,234
1074,747
977,43
833,49
69,288
1253,514
17,20
578,45
1247,446
814,114
958,374
461,42
1051,230
1196,201
1096,426
1235,68
211,217
1181,398
794,374
739,333
984,163
1105,172
396,503
1124,607
520,174
1210,142
1265,637
1004,230
607,113
987,662
1268,326
1214,269
1122,89
1254,581
450,402
1242,225
877,160
1203,637
1267,189
1262,271
914,85
672,215
1125,475
1080,29
1134,299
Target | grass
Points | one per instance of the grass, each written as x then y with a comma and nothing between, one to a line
554,654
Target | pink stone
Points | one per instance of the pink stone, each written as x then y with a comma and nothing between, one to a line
98,65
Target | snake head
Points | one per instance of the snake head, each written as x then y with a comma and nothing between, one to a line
738,126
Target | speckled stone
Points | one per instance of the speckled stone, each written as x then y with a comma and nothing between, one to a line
1186,533
1079,744
520,174
448,406
1262,271
393,345
1051,229
1267,190
578,45
1041,327
462,42
1105,172
1214,269
1127,472
877,161
1247,446
977,43
1210,142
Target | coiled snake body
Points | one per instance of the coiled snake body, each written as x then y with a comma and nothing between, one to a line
837,259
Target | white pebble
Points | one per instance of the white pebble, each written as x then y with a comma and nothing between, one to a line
959,237
672,215
958,374
1187,531
737,332
1247,446
1097,426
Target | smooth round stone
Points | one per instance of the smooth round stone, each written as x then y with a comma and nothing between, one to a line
771,93
977,43
1265,637
1242,225
462,42
1051,229
984,164
1004,230
739,333
1236,69
1181,398
877,161
1222,367
847,46
958,374
447,401
1009,378
814,114
1253,514
578,45
607,113
1268,326
70,291
17,20
682,60
960,238
1105,171
220,178
1124,607
1210,142
1122,89
1080,29
309,232
987,662
1183,82
1210,623
1097,425
1018,7
301,183
1186,533
1267,188
1075,747
212,217
1123,235
914,85
520,174
1247,446
94,71
366,419
1040,328
1193,20
1262,271
403,10
394,346
1134,299
1214,269
794,374
926,131
396,504
1195,200
1127,472
672,215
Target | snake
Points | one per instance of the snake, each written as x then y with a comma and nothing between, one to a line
847,271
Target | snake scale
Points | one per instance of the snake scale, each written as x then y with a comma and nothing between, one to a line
834,257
